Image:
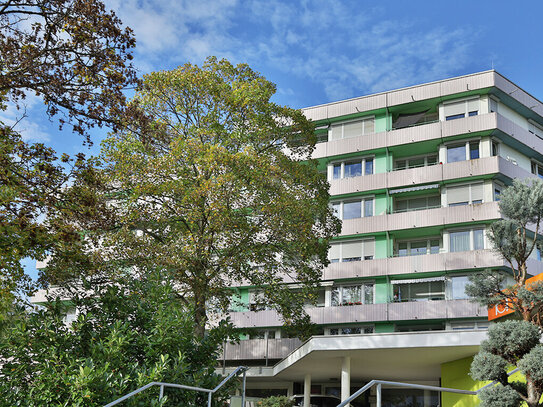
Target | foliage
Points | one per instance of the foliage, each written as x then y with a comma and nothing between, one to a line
214,184
72,53
127,334
276,401
514,238
510,343
75,56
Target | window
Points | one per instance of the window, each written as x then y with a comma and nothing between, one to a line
495,149
415,162
537,169
417,247
262,334
352,251
353,168
421,290
461,109
353,128
535,129
257,301
458,287
417,204
462,152
351,330
465,194
352,295
359,208
493,104
465,240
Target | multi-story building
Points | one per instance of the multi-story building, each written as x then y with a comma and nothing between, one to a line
415,175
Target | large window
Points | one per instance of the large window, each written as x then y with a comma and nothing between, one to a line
352,168
417,247
352,251
461,109
419,290
462,151
417,203
465,240
356,294
415,162
465,194
353,209
353,128
458,287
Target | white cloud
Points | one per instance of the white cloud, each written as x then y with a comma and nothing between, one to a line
344,48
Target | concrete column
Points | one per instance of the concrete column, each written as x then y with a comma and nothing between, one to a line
307,389
345,377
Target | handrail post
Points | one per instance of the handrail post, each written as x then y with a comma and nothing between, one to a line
209,399
161,392
378,395
243,388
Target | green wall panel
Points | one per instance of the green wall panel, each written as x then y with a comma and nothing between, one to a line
381,293
380,247
241,300
381,123
380,163
380,204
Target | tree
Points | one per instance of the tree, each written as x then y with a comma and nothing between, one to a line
216,187
75,56
129,333
514,238
510,343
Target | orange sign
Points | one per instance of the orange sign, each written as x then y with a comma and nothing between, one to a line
503,309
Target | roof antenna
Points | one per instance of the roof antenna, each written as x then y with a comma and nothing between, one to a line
492,64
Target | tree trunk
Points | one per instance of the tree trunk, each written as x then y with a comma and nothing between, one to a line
533,394
200,315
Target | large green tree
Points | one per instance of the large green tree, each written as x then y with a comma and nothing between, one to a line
75,56
214,184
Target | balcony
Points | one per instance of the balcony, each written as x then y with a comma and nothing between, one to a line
259,349
427,175
387,312
475,259
422,218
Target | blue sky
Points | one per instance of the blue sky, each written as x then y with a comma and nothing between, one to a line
321,51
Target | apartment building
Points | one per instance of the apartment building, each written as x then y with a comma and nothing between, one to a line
415,175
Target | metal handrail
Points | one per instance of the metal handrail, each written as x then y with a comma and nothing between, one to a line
184,387
379,383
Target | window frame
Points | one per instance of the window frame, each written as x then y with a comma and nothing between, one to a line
342,124
471,238
363,161
341,213
408,243
415,157
470,193
363,255
362,285
466,112
467,150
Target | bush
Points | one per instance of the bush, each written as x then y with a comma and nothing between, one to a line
276,401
